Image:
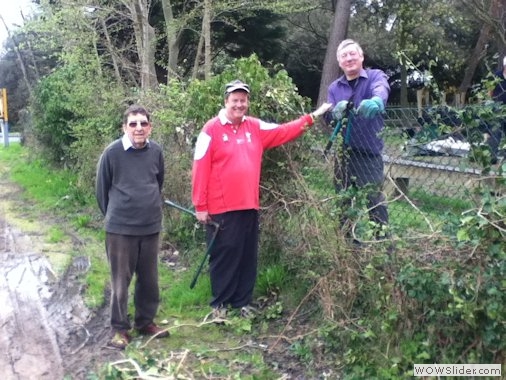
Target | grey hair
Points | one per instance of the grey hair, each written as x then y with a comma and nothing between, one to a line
346,43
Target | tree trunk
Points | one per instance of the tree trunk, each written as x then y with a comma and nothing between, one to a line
204,42
494,16
476,56
500,14
472,63
198,57
112,51
338,32
172,36
502,11
145,41
404,82
206,29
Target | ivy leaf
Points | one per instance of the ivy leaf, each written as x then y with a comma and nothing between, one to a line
462,235
423,355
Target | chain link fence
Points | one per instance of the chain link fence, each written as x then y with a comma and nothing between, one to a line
436,157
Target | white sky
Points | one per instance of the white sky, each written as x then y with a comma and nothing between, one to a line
10,10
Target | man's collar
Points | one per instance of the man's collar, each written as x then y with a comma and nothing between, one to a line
363,73
127,144
222,115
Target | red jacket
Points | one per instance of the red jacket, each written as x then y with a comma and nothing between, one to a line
227,164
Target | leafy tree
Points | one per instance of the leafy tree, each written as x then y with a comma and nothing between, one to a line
415,37
71,98
304,48
491,13
11,80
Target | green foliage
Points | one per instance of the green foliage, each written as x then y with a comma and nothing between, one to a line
177,297
53,113
270,280
273,311
56,235
182,230
76,113
50,190
436,308
96,280
302,351
433,314
381,313
83,221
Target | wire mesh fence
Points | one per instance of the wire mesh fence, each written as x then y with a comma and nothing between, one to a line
435,157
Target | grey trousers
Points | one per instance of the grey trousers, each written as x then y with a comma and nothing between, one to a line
360,169
129,256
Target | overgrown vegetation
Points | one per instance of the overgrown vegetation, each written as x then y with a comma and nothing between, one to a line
343,311
353,311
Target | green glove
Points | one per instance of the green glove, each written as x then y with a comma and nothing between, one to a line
370,108
338,111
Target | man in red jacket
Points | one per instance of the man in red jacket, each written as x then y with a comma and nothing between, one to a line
225,189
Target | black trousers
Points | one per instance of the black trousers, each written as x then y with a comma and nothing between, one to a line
129,255
360,169
233,257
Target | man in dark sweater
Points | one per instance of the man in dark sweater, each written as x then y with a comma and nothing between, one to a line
129,182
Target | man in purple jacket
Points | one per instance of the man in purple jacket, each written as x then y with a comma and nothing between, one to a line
359,97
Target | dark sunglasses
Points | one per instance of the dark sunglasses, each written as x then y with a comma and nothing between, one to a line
133,124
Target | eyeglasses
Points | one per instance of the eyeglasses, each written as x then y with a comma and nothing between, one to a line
133,124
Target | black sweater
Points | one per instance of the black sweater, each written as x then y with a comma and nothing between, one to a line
128,188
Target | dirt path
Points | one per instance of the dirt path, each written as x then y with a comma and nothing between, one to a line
27,341
46,332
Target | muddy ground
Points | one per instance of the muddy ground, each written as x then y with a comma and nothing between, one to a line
46,332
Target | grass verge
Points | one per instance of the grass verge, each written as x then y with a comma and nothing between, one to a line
197,348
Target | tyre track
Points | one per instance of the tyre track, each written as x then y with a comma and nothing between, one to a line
28,344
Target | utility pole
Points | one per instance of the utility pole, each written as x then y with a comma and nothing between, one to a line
4,116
